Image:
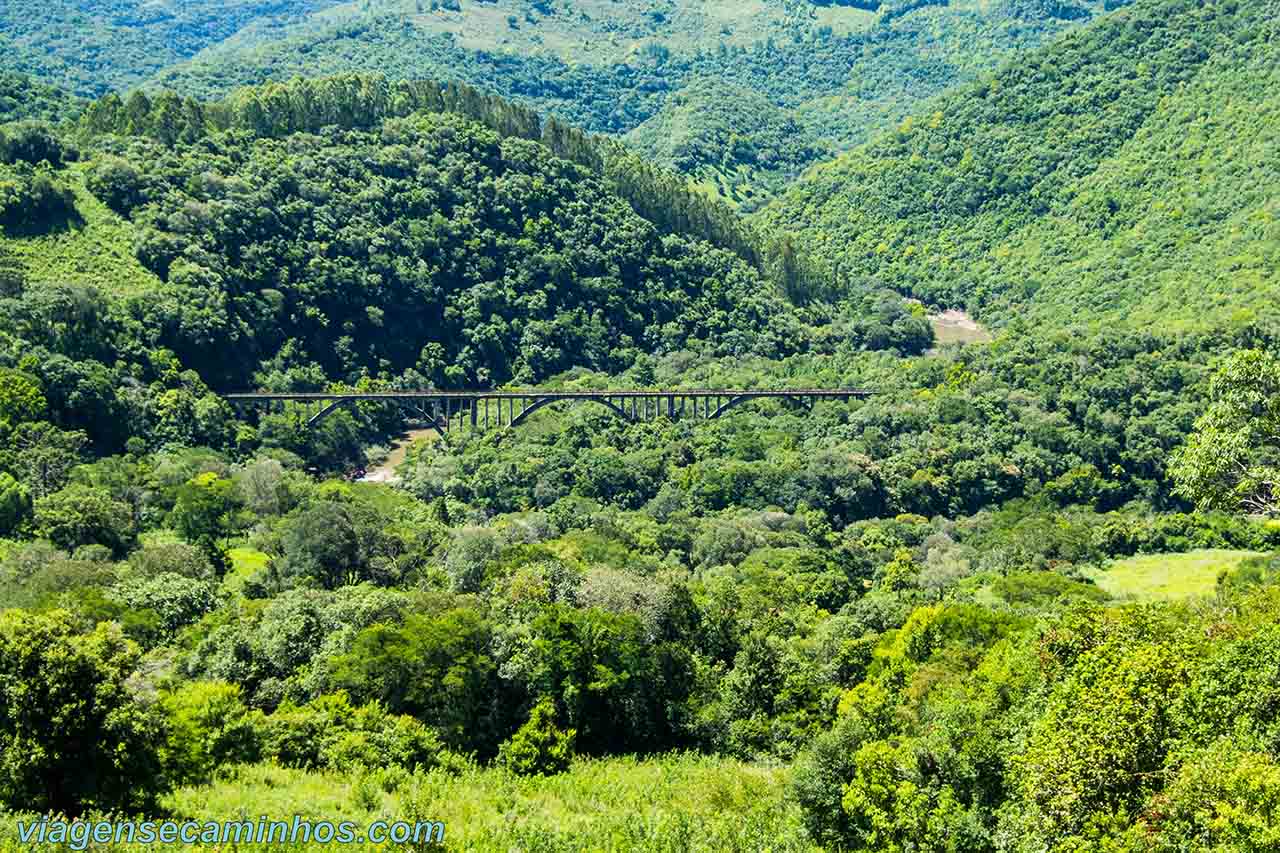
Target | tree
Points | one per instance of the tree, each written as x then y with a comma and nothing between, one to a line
42,456
436,668
85,515
618,691
20,399
205,514
15,505
322,544
1232,459
175,599
208,725
116,182
72,735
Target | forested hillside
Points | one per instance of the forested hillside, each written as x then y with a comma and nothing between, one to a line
1125,174
24,98
845,68
94,46
838,70
733,141
359,231
1024,598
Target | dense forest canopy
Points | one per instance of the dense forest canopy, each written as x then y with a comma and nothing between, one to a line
1022,599
839,70
1124,174
93,47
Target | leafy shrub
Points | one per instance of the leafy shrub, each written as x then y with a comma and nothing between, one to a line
176,599
32,201
83,515
539,747
32,142
15,504
208,726
331,733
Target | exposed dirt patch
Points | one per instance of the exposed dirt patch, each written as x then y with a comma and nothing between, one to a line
957,327
386,472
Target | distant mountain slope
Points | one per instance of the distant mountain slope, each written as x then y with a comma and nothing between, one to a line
734,141
92,46
1129,173
836,71
839,70
606,66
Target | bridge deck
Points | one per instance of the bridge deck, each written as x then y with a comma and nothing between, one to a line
446,407
519,394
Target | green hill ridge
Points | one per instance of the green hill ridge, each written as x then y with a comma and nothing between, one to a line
1125,174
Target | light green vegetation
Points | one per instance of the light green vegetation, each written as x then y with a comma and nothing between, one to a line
1149,577
94,247
1024,197
245,563
677,802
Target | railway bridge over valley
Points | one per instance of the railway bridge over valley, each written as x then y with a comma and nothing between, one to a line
485,410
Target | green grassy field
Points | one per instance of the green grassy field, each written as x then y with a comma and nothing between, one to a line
1151,577
673,803
676,803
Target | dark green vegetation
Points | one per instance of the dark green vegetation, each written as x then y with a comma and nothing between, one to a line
878,620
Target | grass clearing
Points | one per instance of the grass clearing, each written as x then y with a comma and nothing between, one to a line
245,563
678,802
94,250
1164,577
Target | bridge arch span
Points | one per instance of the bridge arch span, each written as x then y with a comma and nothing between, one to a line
736,401
543,402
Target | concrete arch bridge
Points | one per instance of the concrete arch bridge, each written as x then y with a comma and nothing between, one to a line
485,410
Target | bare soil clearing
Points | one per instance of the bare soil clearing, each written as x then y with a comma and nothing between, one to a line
386,472
954,326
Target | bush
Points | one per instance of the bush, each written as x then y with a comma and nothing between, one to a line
117,183
31,142
82,515
175,558
331,733
379,739
31,201
15,504
539,747
177,600
209,726
1043,588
